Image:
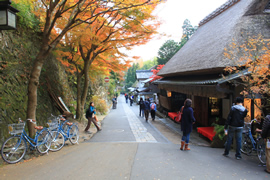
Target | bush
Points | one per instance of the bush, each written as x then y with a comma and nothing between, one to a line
26,16
220,138
100,104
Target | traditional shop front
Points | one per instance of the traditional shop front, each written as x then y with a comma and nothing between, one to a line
212,98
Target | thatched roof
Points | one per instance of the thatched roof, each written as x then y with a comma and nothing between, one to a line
203,53
143,74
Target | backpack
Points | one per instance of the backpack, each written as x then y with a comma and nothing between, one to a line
153,106
88,113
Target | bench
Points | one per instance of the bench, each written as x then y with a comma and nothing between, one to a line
207,132
172,115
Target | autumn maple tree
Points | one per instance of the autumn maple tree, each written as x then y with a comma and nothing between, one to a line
155,77
58,17
253,58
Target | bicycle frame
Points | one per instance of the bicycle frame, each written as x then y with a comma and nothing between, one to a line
61,130
29,139
252,139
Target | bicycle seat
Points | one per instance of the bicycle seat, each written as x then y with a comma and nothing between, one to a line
39,127
69,123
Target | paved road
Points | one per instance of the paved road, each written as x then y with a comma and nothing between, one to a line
130,148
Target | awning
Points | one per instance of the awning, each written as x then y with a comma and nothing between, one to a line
144,89
147,80
131,89
204,82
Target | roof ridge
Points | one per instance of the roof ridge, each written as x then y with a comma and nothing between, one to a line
218,11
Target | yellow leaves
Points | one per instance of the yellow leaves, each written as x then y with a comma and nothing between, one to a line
253,55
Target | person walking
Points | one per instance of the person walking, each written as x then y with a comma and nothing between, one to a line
141,104
114,100
234,126
91,117
131,100
153,110
187,122
266,136
126,96
146,108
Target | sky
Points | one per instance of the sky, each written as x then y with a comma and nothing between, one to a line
172,14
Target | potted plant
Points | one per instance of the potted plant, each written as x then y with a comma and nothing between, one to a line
219,139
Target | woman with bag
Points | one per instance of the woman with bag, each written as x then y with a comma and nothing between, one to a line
179,115
91,117
186,123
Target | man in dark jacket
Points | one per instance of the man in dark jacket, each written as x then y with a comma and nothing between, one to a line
146,108
234,125
266,135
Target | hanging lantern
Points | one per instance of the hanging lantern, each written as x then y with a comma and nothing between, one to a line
7,15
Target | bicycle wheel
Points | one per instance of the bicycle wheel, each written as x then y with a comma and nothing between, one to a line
58,141
74,134
44,139
13,149
261,151
246,145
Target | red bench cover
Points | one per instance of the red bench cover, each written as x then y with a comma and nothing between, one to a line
207,132
172,115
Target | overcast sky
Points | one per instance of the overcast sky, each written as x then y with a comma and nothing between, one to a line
173,13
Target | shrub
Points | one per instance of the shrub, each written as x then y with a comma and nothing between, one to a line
100,104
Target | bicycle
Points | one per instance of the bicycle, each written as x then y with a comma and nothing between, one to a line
57,139
250,144
65,131
14,148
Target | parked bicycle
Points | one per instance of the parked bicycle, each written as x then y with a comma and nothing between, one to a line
14,148
249,144
64,131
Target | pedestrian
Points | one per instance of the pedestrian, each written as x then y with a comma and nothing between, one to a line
153,109
126,96
146,108
114,100
91,117
141,104
187,122
266,136
234,126
131,100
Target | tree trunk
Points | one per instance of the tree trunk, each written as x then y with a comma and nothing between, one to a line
82,91
85,87
79,111
32,90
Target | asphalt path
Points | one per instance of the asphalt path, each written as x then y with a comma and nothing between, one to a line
128,147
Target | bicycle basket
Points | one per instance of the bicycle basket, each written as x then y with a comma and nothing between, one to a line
16,128
52,125
53,119
247,127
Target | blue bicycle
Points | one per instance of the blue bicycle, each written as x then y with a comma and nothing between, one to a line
64,131
249,144
14,148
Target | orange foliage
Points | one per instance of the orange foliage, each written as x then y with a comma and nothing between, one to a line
99,42
254,55
155,71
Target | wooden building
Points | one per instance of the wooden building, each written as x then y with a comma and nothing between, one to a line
195,71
